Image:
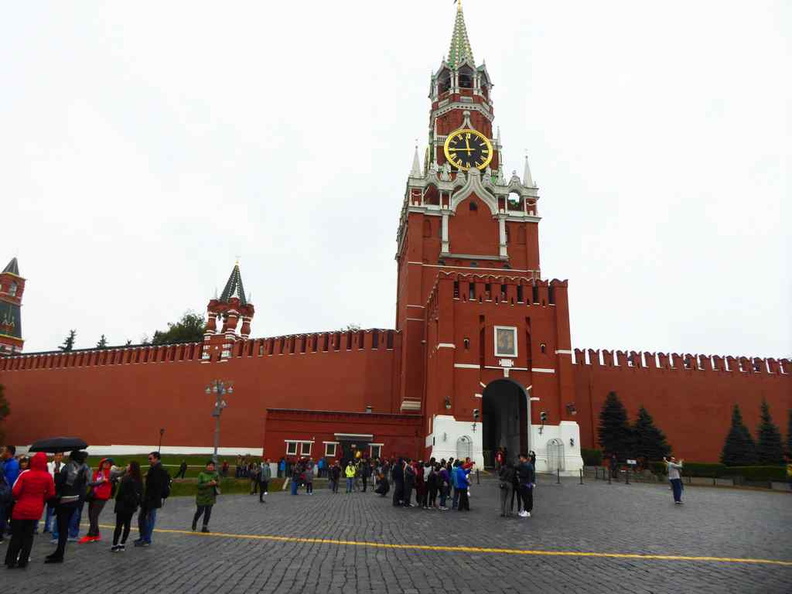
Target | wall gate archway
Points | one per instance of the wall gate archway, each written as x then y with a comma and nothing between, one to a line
505,420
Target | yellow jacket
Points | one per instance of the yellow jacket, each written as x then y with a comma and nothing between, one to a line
350,471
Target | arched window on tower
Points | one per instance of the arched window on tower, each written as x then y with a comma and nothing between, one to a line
465,78
444,84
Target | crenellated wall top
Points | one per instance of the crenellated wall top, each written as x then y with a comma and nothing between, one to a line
320,342
681,362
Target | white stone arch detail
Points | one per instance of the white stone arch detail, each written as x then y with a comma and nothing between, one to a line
556,458
464,447
474,186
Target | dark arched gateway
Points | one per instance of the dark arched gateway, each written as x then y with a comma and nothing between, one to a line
505,419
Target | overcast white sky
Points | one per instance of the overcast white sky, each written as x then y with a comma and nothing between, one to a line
145,145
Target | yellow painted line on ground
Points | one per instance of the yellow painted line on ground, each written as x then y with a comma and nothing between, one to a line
462,549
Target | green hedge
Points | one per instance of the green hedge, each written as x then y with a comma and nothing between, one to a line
703,469
757,473
591,457
707,470
228,486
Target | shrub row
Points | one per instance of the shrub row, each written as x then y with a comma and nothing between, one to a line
591,457
706,470
228,486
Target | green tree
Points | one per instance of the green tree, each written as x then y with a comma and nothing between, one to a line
789,433
5,410
189,329
739,448
615,435
102,344
769,446
648,440
68,344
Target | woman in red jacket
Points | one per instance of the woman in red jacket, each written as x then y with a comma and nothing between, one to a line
31,490
101,490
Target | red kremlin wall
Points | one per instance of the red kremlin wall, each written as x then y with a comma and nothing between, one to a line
690,397
125,395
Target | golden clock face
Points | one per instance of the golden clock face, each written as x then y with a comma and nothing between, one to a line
467,148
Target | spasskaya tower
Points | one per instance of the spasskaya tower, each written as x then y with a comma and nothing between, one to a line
486,352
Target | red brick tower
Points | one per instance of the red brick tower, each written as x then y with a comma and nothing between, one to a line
12,286
230,307
484,338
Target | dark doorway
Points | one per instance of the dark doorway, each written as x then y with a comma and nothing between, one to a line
350,449
504,420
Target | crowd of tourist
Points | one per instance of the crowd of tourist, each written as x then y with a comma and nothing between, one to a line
56,492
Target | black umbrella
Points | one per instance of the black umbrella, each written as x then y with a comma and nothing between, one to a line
58,444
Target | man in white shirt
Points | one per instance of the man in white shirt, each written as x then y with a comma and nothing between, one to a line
54,468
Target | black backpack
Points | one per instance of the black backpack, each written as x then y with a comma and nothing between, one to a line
166,489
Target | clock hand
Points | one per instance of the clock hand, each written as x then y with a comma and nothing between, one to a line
467,143
467,150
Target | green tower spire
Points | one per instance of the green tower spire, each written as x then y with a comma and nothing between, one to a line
460,50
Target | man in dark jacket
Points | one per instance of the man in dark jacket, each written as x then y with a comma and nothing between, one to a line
409,482
70,484
526,476
157,481
398,482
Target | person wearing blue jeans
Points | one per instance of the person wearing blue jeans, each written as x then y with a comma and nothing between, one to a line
73,524
349,473
675,477
157,484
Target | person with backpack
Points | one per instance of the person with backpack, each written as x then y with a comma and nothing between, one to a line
70,485
101,490
157,489
31,490
127,501
206,497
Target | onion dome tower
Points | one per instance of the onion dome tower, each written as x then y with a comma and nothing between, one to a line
12,286
230,307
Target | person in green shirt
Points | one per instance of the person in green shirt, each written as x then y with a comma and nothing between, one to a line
205,498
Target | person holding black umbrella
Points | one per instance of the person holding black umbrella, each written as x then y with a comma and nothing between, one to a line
70,486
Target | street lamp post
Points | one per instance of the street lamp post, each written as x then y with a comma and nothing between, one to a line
219,388
162,432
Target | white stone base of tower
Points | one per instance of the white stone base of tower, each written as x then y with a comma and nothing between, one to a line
557,447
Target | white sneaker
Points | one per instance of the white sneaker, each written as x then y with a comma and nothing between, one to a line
522,514
527,515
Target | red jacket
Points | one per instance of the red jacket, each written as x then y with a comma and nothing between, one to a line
105,489
32,489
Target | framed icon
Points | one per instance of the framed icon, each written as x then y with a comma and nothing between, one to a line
505,341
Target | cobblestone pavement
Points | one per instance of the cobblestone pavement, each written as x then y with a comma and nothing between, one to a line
593,518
